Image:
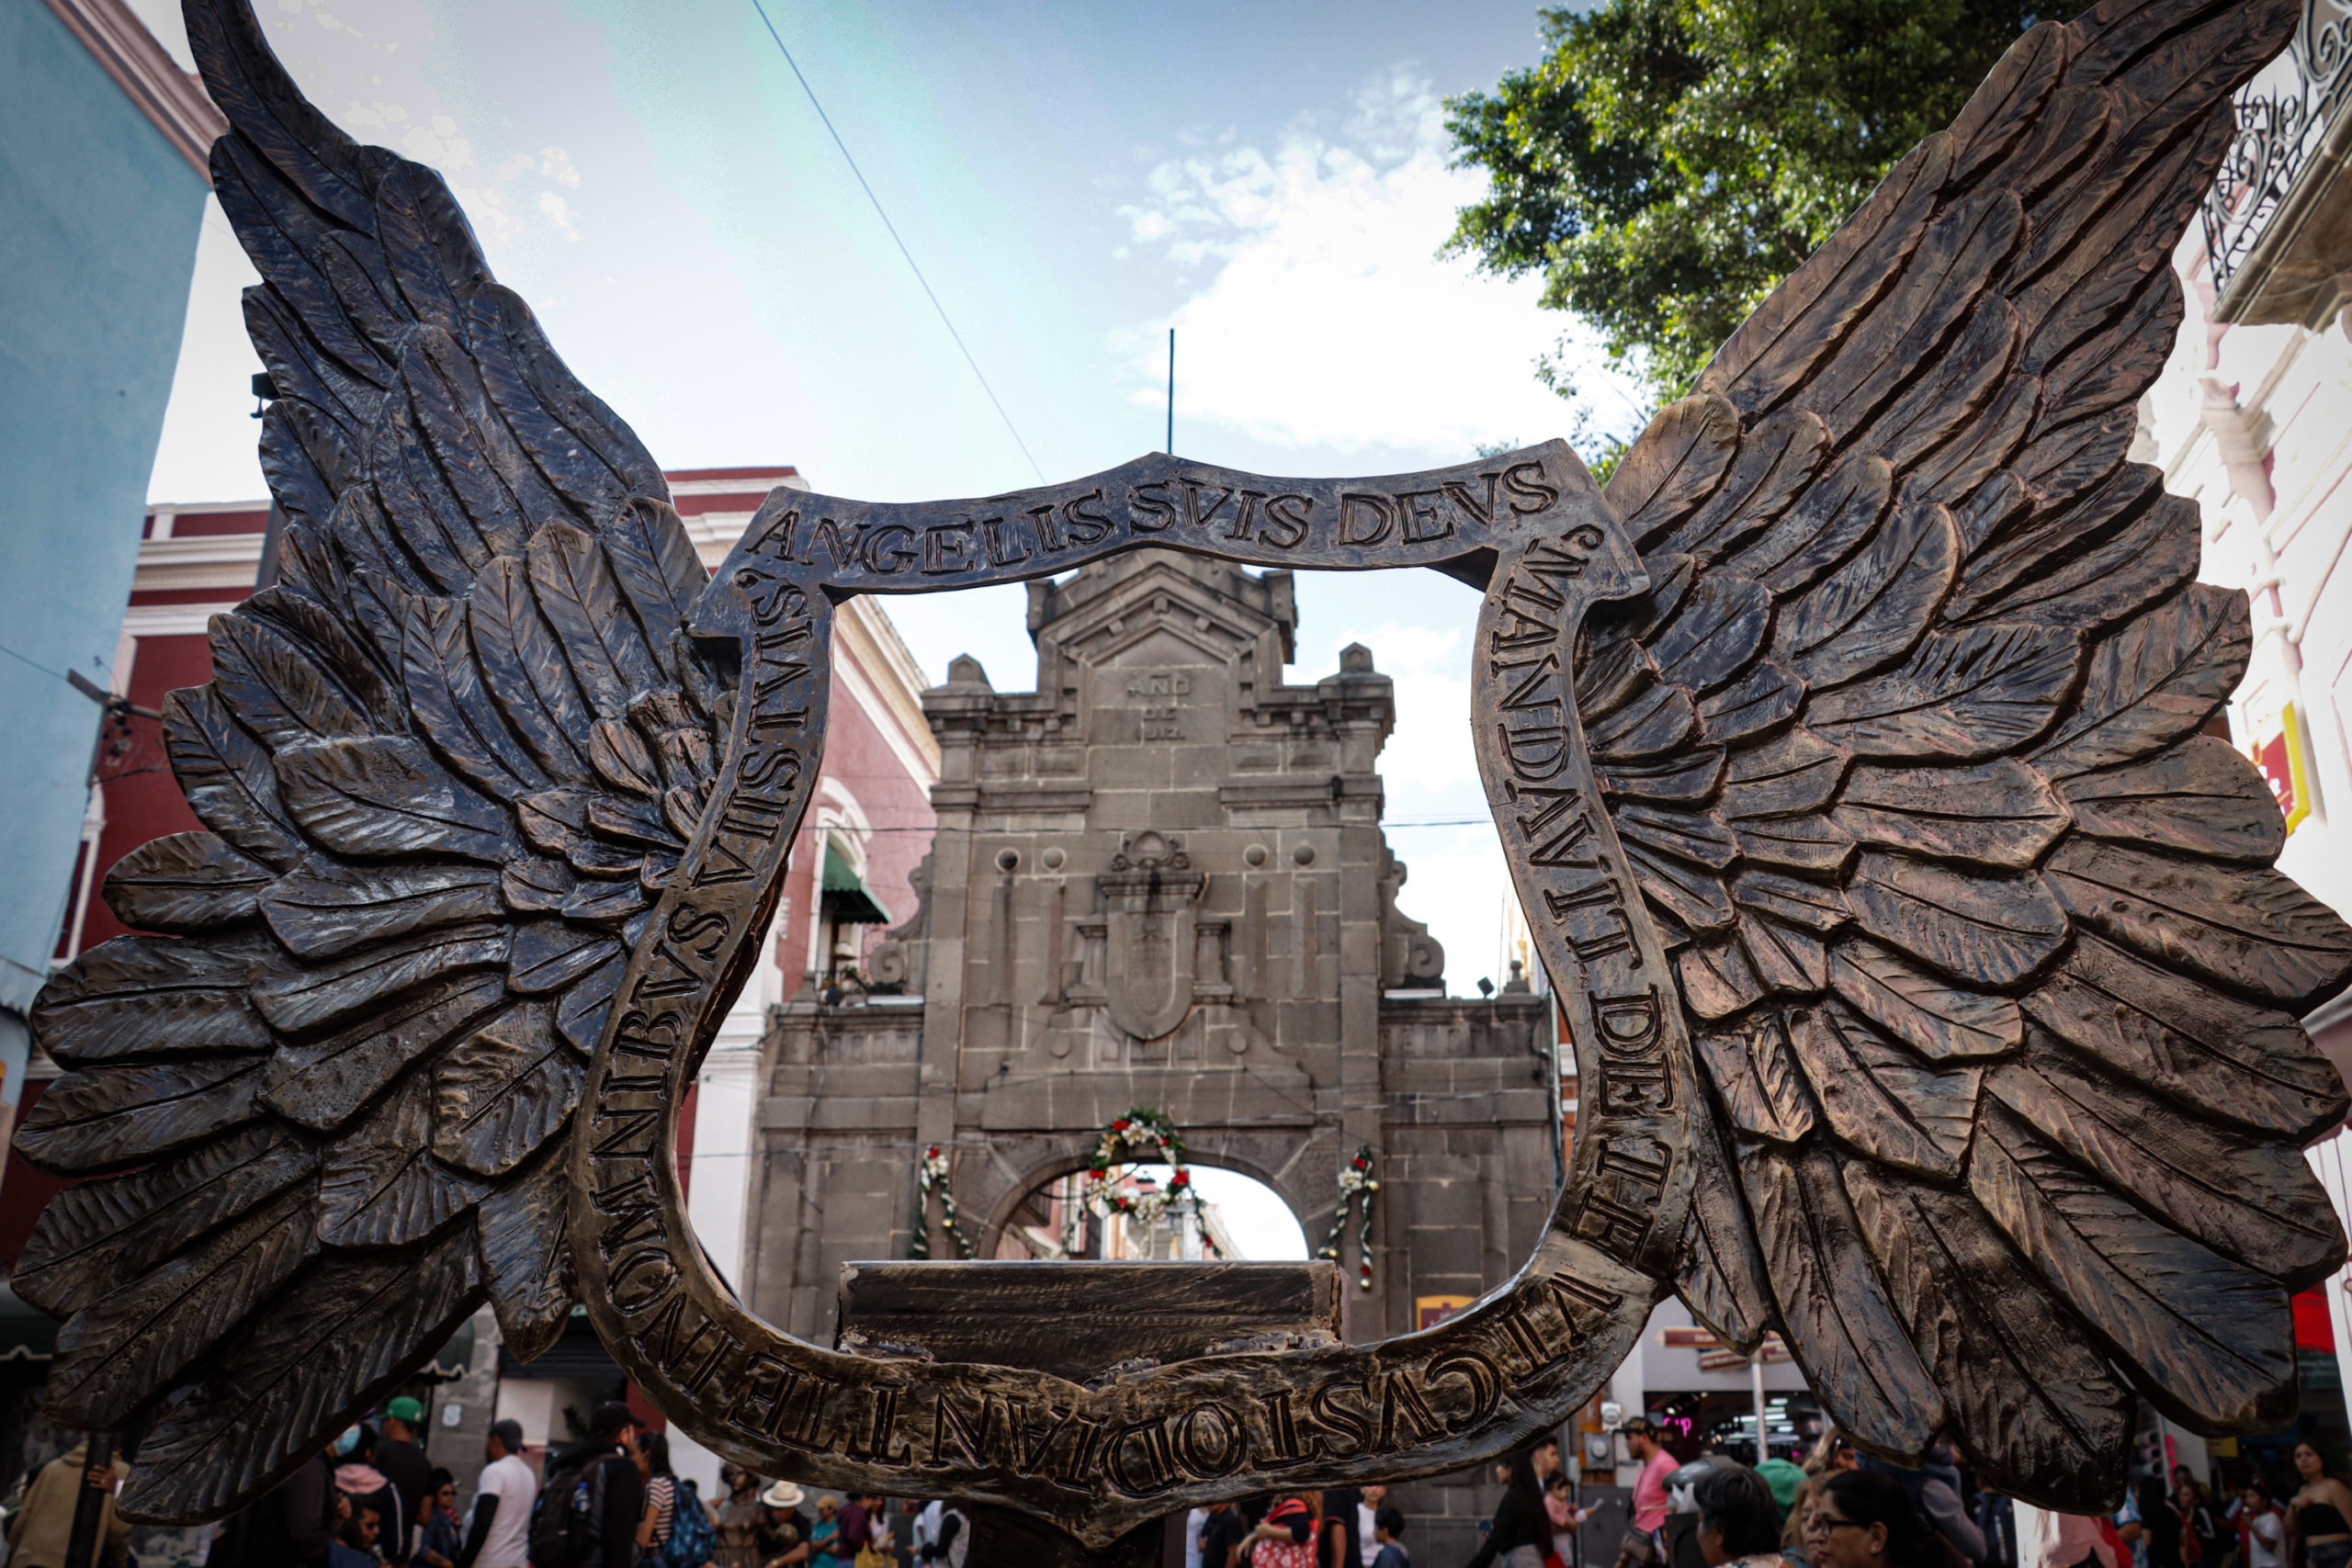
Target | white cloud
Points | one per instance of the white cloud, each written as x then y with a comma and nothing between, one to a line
556,165
1328,319
558,211
439,144
1430,666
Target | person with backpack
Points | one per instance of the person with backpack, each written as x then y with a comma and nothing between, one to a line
1285,1538
588,1512
693,1529
738,1519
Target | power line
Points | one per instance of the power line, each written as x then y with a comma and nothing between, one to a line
893,228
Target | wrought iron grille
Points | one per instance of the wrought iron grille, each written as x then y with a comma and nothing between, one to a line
2276,134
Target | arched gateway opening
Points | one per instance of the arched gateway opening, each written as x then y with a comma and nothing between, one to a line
1159,883
1138,1211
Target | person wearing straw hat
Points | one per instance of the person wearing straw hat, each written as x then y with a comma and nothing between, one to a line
783,1540
826,1535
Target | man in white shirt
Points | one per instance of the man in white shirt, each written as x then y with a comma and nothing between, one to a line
1353,1510
499,1535
943,1537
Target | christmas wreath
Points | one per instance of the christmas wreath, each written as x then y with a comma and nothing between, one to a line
1138,1130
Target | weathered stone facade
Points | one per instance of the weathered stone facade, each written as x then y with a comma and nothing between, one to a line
1159,880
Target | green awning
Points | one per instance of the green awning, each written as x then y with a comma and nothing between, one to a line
453,1359
26,1333
846,898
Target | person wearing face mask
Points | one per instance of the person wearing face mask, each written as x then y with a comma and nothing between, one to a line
357,1477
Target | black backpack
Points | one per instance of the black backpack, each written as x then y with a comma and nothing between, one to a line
567,1520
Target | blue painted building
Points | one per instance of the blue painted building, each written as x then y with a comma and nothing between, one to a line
102,191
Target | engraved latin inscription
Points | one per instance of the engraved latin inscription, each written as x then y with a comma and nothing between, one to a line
1093,1458
1410,519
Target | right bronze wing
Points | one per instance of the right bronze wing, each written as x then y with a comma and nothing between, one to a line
1994,986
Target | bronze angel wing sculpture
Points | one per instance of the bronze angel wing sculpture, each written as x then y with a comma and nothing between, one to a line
1935,997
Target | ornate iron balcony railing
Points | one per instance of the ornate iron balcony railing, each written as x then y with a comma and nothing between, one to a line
2277,132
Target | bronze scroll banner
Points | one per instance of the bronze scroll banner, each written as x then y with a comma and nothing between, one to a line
1098,1461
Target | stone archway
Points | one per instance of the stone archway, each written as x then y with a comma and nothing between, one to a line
1164,792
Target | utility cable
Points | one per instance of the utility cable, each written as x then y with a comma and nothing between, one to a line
893,228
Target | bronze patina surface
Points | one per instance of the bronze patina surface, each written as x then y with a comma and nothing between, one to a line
1934,993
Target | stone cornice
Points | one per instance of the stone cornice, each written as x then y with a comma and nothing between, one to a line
169,96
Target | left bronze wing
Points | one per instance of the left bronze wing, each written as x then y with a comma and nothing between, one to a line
1994,986
446,762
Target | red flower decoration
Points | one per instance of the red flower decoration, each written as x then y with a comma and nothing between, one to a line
1181,1179
935,1151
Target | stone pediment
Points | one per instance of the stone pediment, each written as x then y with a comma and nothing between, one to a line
1162,614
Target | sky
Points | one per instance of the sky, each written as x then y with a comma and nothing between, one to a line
1073,180
1258,1222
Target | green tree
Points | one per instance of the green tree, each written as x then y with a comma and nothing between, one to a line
1670,161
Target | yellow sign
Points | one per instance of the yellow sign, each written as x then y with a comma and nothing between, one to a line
1430,1311
2282,759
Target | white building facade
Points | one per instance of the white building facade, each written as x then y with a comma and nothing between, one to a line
2252,418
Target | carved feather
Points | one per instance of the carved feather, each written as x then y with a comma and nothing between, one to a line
1900,741
2064,998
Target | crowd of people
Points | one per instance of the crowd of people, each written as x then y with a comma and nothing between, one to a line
613,1501
374,1501
1844,1509
2187,1527
1354,1528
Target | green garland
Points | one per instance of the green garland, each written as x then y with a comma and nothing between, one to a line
931,1176
1355,1184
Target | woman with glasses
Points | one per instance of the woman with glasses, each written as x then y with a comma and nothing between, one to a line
1831,1454
1863,1519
